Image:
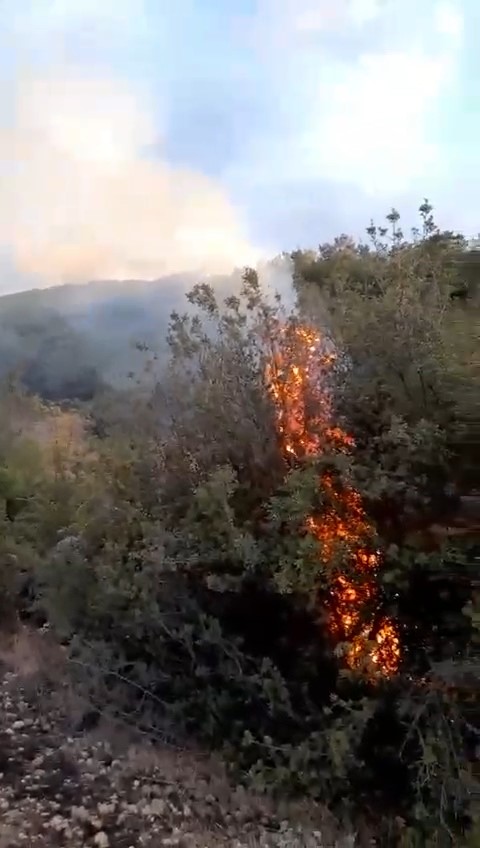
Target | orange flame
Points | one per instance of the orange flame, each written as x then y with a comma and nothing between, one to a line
297,374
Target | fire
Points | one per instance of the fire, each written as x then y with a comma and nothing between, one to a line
298,378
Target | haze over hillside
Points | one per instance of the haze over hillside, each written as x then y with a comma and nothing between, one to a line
92,326
92,330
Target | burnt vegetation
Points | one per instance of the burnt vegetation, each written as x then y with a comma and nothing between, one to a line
277,563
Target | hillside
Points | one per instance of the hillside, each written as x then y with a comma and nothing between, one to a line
65,341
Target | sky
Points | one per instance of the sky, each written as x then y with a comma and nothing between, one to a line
144,137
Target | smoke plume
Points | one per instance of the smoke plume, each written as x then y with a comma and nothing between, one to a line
86,194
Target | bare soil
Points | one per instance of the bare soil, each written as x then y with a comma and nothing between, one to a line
62,785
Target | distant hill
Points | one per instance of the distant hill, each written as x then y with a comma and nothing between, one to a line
65,342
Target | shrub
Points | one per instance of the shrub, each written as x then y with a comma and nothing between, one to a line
195,569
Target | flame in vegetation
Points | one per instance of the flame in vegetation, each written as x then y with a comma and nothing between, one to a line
298,381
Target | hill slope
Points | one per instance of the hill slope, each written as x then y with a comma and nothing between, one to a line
65,341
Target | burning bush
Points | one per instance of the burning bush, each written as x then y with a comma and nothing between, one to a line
248,576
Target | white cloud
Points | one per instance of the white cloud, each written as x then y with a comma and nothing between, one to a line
285,19
33,20
371,125
369,81
364,11
449,21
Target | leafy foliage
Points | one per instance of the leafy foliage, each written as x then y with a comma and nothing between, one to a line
174,555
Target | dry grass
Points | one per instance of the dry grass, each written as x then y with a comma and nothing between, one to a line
29,654
62,786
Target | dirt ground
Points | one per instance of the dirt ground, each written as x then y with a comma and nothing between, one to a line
64,786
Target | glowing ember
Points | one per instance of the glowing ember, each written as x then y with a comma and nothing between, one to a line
297,377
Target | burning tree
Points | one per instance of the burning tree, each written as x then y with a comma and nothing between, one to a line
334,508
297,378
260,552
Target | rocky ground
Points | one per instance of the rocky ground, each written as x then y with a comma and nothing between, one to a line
66,787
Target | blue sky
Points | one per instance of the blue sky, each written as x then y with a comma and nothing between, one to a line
144,137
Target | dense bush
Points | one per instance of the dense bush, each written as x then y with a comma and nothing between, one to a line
186,561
